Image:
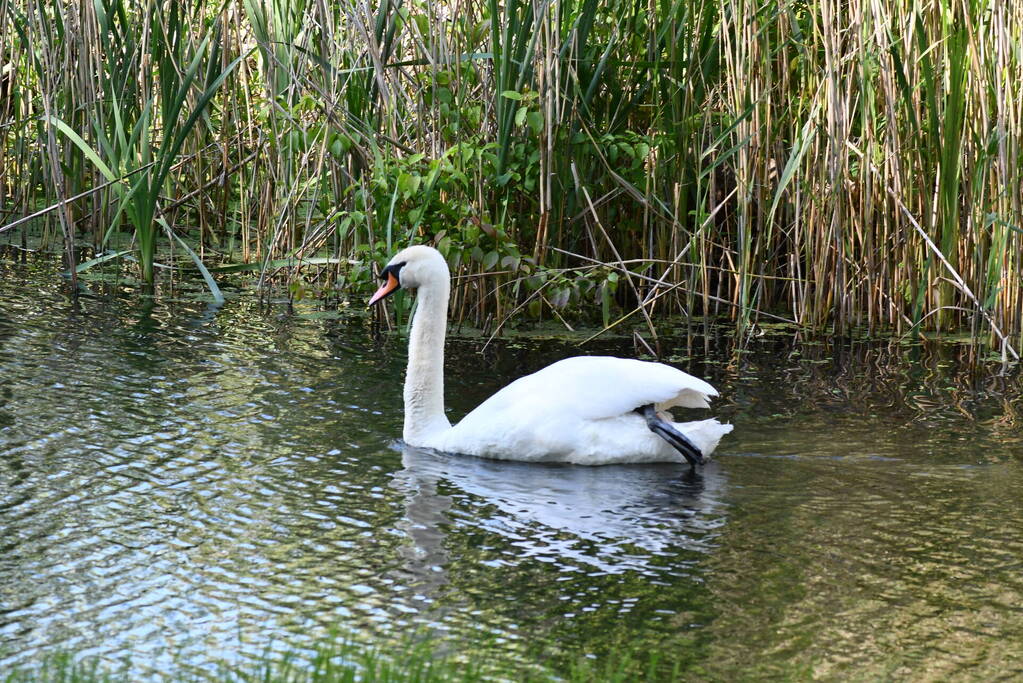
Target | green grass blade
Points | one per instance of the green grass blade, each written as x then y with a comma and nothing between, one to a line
86,265
88,151
206,275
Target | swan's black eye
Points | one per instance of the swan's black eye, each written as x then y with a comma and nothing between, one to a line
392,269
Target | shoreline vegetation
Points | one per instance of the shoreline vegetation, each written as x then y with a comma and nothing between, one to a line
832,166
340,660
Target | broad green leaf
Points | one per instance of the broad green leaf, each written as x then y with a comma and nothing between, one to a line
490,260
534,120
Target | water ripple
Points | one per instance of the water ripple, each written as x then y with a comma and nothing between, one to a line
184,487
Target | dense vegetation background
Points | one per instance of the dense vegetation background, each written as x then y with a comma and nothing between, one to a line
835,164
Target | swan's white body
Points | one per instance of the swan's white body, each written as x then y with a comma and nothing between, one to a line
579,410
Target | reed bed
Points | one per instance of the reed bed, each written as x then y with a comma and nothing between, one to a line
838,165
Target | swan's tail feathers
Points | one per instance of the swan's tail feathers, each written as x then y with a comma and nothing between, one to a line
705,434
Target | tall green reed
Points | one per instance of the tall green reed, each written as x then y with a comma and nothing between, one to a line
838,166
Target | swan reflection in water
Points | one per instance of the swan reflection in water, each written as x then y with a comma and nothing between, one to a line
610,519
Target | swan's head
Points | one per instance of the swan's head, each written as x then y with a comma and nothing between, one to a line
412,268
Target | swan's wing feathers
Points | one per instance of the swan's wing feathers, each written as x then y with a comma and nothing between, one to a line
594,387
603,386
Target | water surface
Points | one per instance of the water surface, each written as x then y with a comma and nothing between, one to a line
182,485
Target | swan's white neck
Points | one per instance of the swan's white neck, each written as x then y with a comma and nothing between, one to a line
424,379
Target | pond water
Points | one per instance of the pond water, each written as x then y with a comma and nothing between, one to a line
182,486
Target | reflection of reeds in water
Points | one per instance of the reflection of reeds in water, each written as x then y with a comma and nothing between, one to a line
846,165
894,469
885,394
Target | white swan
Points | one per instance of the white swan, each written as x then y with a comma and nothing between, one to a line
587,410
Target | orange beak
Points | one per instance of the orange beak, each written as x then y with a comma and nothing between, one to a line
388,287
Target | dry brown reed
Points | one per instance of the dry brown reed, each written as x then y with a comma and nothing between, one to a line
842,165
